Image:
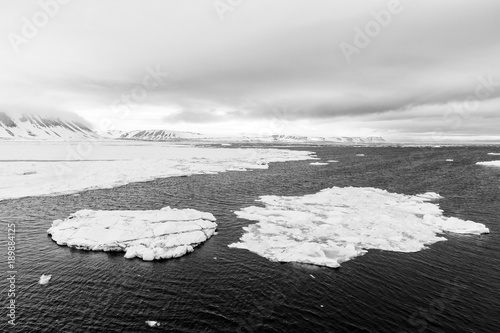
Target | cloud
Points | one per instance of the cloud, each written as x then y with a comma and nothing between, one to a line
266,55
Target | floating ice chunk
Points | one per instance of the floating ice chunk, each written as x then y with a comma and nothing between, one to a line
152,323
44,279
429,196
491,163
338,224
493,153
318,163
150,234
333,161
449,160
360,155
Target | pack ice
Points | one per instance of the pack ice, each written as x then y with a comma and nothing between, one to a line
149,234
338,224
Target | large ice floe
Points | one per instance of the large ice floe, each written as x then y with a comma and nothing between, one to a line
338,224
45,169
149,234
491,163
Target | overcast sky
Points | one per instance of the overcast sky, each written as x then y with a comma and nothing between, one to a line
407,70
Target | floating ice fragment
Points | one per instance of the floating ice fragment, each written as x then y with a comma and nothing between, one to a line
318,163
449,160
152,323
337,224
148,234
332,161
491,163
44,279
493,153
360,155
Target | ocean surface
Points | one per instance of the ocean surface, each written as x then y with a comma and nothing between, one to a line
454,286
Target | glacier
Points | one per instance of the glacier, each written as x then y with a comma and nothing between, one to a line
149,234
337,224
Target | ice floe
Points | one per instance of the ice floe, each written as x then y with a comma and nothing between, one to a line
493,153
148,234
360,155
318,163
332,161
44,279
119,165
449,160
491,163
153,323
338,224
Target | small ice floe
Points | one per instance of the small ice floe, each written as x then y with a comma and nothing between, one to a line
44,279
152,323
318,163
333,161
427,196
449,160
312,276
493,153
360,155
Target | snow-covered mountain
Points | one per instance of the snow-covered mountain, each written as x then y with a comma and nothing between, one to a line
152,135
35,126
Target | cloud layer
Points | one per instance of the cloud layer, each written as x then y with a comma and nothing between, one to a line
418,69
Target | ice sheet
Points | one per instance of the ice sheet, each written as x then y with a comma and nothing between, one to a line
149,235
338,224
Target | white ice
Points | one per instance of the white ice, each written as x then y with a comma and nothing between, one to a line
493,153
148,234
332,161
44,279
360,155
152,323
318,163
449,160
338,224
491,163
52,168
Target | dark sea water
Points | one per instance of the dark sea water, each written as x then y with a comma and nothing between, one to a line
453,286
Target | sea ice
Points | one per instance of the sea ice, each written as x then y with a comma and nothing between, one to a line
318,163
332,161
152,323
449,160
338,224
44,279
493,153
46,168
491,163
148,234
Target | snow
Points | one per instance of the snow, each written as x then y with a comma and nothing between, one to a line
338,224
44,279
491,163
52,168
149,234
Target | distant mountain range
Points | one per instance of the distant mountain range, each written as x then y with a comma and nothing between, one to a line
29,126
67,127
